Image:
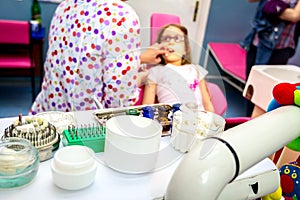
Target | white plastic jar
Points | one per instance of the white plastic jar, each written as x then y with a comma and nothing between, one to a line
74,167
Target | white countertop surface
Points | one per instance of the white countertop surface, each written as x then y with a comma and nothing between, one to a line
110,184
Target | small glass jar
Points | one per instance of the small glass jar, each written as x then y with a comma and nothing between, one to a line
190,123
19,162
183,130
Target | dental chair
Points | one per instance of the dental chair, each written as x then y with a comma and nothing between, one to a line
184,186
159,20
219,100
16,49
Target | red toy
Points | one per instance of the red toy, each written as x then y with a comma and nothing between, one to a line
286,93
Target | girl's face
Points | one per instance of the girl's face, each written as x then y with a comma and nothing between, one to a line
172,40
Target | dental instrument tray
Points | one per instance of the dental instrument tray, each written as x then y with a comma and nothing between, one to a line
160,112
93,136
41,133
89,136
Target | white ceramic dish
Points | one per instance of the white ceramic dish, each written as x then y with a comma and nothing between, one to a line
132,144
74,167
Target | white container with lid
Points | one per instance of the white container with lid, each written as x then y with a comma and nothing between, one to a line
132,143
74,167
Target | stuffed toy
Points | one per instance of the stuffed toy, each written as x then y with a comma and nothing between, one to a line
288,94
274,196
290,180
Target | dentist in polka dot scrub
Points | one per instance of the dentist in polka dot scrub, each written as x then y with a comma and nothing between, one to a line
94,50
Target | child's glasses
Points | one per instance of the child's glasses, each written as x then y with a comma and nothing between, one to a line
168,38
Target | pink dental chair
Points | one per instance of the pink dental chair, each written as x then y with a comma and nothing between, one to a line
16,48
218,98
158,20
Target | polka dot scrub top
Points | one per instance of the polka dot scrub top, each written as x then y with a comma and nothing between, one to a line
94,50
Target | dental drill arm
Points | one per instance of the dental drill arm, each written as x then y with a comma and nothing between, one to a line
198,175
214,162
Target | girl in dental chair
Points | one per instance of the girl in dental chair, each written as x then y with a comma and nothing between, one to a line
176,80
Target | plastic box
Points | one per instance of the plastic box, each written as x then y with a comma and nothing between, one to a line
93,137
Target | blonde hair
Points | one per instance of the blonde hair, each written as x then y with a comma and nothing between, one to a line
186,59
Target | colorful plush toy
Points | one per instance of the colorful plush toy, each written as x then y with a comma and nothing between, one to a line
290,181
274,196
286,94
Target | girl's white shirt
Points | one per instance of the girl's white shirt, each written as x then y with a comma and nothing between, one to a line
178,84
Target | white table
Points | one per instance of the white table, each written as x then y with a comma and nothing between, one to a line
110,184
